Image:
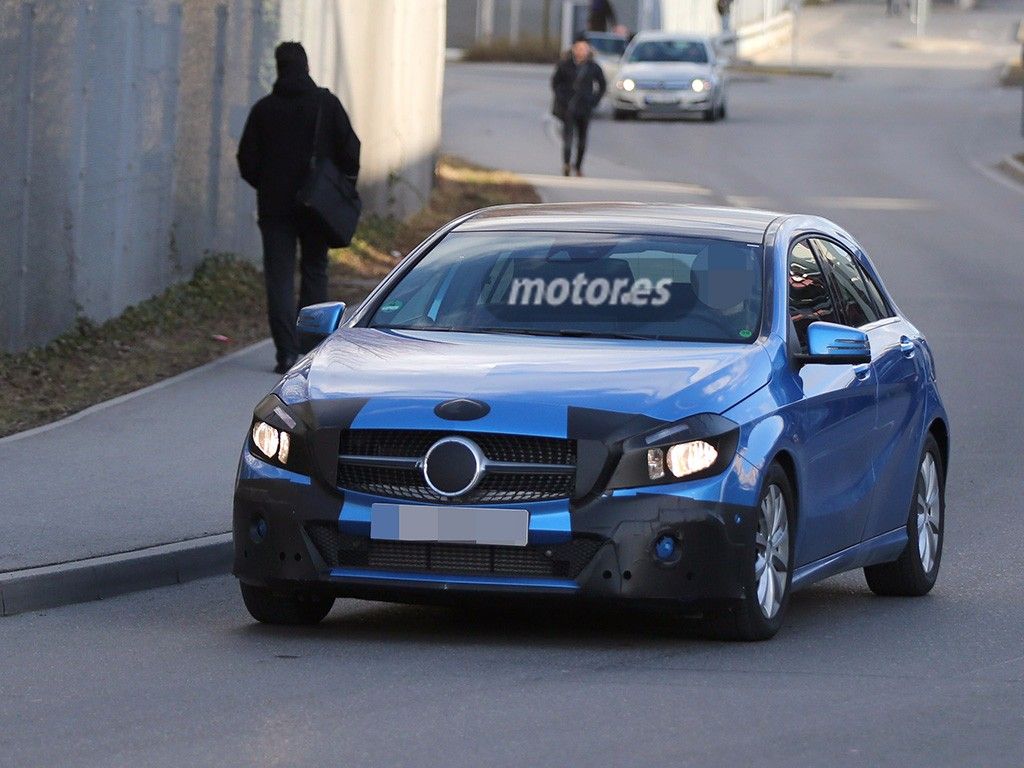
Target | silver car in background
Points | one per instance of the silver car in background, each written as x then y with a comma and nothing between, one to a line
669,73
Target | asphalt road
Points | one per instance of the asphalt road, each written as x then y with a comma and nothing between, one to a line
180,676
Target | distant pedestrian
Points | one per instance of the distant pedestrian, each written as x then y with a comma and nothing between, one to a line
601,16
578,85
274,156
724,8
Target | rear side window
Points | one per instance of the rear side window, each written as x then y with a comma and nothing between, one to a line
809,297
859,305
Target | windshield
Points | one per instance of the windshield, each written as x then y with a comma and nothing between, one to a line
581,284
690,51
607,46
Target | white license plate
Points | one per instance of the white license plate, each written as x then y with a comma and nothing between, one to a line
662,98
456,525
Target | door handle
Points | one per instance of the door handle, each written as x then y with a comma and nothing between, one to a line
863,372
907,346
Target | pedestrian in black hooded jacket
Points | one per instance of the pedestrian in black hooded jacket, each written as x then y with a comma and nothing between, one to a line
274,154
578,84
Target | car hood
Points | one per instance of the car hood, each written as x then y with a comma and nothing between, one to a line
530,383
664,70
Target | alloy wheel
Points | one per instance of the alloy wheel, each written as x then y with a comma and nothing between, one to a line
928,513
771,544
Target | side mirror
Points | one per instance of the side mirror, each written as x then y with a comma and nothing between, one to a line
318,321
834,344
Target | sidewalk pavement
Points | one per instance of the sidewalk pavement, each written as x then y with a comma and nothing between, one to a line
152,468
846,35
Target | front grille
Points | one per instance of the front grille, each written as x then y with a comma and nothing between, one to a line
663,85
415,442
555,561
494,488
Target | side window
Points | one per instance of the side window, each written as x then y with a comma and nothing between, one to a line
856,304
809,297
876,295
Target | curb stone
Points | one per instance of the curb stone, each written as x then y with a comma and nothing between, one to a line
50,586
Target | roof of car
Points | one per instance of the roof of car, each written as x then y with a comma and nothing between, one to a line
623,218
661,35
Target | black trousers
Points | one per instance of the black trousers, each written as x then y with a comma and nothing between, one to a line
574,126
279,245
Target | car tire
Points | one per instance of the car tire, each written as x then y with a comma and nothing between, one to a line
622,114
914,573
270,607
710,115
721,111
749,619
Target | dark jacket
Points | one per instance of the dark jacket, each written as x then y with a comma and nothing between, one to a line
578,88
277,143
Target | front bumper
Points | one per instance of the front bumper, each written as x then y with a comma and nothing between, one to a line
287,536
660,101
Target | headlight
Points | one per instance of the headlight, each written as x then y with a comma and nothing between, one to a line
627,84
700,446
684,459
271,442
699,86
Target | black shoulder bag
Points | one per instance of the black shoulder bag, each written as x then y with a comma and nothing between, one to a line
327,193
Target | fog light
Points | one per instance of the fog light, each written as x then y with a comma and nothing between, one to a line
665,548
258,530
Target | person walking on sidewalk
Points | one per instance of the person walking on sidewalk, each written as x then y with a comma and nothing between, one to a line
274,156
578,84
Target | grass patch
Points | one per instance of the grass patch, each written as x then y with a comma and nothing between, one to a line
529,50
222,308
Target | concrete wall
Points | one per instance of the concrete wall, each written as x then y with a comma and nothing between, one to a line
384,59
119,121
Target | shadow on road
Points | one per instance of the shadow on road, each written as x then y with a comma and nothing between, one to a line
812,614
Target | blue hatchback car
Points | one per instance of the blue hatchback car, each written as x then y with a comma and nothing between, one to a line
698,407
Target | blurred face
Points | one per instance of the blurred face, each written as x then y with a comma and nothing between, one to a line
580,51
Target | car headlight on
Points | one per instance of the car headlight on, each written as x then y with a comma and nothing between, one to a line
280,435
700,86
697,447
271,442
626,84
681,459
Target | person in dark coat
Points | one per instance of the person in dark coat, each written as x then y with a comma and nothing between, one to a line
578,84
274,156
601,16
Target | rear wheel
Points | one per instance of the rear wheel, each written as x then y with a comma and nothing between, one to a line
759,614
915,571
272,607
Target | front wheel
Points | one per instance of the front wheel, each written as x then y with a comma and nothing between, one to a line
270,607
623,114
914,573
759,614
